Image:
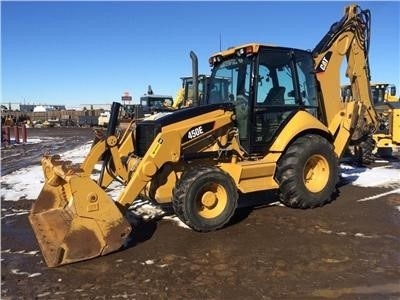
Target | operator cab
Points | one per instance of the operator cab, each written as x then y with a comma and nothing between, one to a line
267,85
383,92
187,86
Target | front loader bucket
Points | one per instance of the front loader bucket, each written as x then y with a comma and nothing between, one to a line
74,219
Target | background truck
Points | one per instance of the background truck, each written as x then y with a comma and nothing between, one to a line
281,127
156,103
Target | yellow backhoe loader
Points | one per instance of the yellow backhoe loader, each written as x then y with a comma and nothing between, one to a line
381,92
185,97
387,135
282,126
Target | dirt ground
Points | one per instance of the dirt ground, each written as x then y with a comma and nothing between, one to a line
344,250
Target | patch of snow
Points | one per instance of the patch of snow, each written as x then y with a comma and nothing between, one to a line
26,183
15,212
18,272
149,262
342,233
77,155
33,252
33,141
362,235
385,176
177,221
397,191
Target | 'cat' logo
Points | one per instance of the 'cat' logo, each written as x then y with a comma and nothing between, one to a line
323,64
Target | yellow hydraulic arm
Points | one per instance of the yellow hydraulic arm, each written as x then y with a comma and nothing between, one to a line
347,38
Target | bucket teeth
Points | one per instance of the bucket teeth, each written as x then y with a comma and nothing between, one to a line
53,166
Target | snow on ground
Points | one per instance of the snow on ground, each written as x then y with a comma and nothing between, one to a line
385,176
27,183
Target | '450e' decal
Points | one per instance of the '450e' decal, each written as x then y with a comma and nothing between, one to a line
197,131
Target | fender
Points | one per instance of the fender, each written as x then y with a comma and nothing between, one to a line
302,121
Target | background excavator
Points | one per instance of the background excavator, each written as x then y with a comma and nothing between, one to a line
280,125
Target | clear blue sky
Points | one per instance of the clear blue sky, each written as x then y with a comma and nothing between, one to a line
76,53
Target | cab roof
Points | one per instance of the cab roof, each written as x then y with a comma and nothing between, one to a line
255,48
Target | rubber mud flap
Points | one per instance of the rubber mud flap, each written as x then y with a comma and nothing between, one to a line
75,220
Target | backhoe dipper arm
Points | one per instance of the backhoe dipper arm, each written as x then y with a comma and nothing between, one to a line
349,37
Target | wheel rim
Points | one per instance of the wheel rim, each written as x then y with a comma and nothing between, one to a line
212,201
316,173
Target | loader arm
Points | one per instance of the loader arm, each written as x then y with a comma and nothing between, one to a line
347,38
75,219
172,141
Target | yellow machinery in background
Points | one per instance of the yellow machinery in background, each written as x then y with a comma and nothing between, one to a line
280,126
184,97
384,92
387,105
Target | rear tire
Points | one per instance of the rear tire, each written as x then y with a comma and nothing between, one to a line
307,173
205,198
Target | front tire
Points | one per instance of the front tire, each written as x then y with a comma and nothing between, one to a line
307,173
205,198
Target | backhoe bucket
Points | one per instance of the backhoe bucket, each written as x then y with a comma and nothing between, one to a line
73,218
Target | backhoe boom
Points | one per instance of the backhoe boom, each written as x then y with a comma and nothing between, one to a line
347,38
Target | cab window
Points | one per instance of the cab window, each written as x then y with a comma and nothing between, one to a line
307,84
275,80
285,84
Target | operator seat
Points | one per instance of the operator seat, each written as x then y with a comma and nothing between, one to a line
275,96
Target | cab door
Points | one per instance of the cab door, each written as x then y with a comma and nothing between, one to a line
284,84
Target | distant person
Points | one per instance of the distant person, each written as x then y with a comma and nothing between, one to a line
8,121
167,103
189,102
